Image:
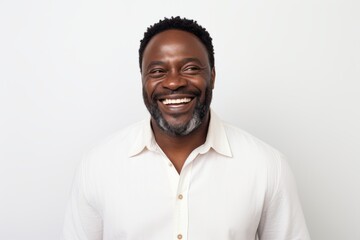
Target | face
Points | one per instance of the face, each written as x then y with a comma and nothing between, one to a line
177,81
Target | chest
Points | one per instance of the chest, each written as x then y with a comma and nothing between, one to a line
210,199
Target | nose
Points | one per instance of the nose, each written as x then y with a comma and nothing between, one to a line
174,81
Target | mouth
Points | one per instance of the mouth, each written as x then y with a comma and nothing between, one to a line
176,101
176,104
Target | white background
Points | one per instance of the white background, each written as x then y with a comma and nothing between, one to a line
287,72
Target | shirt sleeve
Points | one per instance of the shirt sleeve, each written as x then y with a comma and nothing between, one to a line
282,217
82,220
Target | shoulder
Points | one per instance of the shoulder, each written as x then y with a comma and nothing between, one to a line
254,152
116,144
242,141
270,161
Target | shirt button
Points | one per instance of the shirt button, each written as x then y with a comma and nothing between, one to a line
170,164
180,196
179,236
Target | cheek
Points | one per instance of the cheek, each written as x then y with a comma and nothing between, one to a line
149,88
201,84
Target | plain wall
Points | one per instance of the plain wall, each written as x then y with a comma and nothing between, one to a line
287,72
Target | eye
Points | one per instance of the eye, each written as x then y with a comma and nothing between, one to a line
157,72
191,69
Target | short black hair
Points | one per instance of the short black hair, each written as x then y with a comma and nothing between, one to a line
179,23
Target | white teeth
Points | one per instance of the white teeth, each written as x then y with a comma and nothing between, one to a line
176,101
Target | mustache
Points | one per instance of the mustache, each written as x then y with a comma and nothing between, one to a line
163,93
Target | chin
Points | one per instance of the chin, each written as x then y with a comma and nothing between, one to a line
179,129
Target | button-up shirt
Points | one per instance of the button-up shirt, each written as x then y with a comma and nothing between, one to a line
233,187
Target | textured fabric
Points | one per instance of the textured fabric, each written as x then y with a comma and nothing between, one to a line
233,187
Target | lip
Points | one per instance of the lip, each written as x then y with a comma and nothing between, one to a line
176,101
175,96
178,108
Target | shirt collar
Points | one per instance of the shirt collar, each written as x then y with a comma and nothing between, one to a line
144,139
216,138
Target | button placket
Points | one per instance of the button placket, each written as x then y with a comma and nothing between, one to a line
182,205
171,171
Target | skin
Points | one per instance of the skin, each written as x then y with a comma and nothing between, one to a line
175,65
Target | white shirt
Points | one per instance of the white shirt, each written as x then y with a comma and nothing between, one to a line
233,187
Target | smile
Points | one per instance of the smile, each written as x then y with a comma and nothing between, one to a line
176,101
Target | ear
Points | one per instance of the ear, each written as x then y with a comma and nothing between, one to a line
212,81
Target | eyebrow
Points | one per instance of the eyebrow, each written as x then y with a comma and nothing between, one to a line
183,61
186,60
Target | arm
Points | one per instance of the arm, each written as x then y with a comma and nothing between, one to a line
82,220
282,217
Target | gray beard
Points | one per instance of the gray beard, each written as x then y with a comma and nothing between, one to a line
201,110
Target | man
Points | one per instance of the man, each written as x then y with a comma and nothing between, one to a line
183,174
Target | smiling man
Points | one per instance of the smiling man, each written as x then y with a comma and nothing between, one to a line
183,174
178,79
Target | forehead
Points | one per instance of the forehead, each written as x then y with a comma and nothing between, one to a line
174,42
